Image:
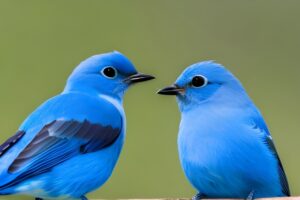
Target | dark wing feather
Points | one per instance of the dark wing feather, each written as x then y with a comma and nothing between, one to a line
57,142
11,142
283,179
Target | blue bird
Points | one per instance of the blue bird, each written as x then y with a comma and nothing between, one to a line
225,148
70,144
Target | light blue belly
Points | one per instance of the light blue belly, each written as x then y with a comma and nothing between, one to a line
228,168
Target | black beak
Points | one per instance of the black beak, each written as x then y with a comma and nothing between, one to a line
136,78
171,90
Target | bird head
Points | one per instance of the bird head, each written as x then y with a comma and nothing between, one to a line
204,82
107,74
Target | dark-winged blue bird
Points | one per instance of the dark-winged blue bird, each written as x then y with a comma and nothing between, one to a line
225,147
70,144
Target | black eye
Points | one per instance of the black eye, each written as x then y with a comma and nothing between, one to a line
109,72
199,81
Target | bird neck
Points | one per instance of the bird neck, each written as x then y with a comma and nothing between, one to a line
118,103
114,98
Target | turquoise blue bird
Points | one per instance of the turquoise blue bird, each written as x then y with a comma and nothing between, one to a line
225,147
70,144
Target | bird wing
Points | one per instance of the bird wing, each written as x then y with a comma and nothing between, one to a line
57,142
260,124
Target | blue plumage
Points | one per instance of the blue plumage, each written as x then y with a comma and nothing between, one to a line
70,144
225,148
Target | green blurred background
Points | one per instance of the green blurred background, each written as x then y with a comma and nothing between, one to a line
259,41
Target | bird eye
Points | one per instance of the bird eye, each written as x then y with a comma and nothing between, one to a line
199,81
109,72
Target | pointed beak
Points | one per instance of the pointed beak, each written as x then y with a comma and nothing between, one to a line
136,78
171,90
